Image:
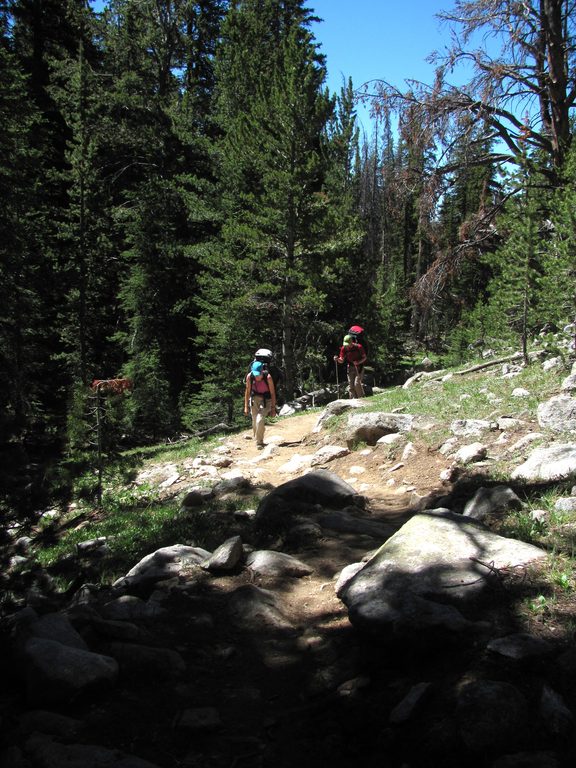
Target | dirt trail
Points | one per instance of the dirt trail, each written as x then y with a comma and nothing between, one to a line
393,487
289,692
302,681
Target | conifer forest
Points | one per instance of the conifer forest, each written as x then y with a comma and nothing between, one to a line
178,187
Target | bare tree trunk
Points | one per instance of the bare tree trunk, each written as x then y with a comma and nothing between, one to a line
557,82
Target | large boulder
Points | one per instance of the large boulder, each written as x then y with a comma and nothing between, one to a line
58,673
422,577
307,493
335,408
164,563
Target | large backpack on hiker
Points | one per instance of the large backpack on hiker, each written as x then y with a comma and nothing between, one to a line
358,336
266,357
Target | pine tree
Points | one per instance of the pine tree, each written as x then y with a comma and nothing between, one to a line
160,169
19,233
464,231
87,269
558,283
39,36
514,290
273,113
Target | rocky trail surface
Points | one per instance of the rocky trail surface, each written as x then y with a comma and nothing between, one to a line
255,663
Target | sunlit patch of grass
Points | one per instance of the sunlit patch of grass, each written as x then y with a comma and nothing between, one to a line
475,395
130,532
136,522
173,452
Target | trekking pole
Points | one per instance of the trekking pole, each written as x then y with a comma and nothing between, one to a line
337,384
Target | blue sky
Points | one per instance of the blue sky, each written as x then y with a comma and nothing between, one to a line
388,39
378,39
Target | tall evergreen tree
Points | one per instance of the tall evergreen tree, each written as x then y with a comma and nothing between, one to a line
558,283
20,314
37,36
518,264
273,112
160,173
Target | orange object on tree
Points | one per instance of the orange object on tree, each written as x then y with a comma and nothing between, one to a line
112,386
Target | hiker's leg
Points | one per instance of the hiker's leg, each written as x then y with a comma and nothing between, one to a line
254,412
351,377
358,388
263,411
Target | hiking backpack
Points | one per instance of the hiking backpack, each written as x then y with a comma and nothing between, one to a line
358,337
266,356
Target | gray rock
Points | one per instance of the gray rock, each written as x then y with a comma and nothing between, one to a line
319,487
469,427
51,626
269,563
569,383
335,408
58,673
508,423
329,453
131,608
162,564
448,446
197,497
257,609
487,501
346,574
520,392
432,565
370,427
520,647
86,548
567,504
529,438
405,710
235,484
470,453
555,462
558,414
227,557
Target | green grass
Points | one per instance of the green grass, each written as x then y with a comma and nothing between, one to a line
443,399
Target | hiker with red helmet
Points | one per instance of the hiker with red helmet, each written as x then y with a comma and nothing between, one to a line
354,356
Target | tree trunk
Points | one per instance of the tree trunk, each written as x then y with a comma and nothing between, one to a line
557,82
